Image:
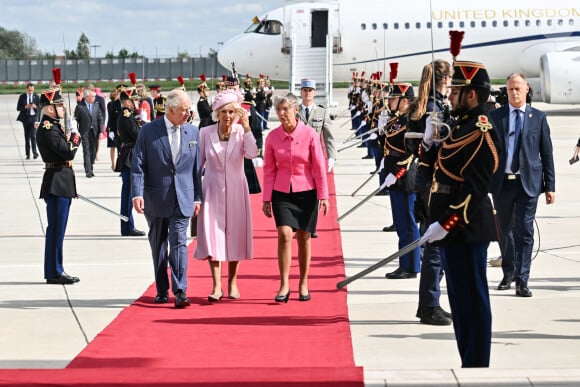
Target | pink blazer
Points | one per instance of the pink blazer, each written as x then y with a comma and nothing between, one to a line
294,159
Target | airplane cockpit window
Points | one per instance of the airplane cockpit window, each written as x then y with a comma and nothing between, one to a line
268,27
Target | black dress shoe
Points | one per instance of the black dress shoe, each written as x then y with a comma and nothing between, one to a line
181,300
161,298
523,291
90,174
313,235
401,273
390,228
35,155
505,284
63,279
27,157
283,298
367,157
434,315
135,232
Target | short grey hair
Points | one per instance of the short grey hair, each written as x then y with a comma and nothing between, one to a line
88,93
175,98
289,98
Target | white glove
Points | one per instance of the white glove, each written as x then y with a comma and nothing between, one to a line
111,135
429,131
435,232
330,164
373,136
143,115
382,164
72,124
390,180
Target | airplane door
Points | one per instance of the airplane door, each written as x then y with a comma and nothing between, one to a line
319,28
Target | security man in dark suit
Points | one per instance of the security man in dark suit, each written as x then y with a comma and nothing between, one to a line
90,121
460,210
57,150
27,107
128,125
526,170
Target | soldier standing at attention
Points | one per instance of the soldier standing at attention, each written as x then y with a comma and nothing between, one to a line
460,210
158,101
57,150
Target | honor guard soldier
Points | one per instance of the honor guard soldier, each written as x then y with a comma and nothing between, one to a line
398,170
57,150
249,92
460,210
158,101
128,125
203,107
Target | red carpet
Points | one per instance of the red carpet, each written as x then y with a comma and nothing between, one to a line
250,341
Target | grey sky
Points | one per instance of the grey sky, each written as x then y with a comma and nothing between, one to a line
155,28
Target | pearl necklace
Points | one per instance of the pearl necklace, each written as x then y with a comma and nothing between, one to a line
223,137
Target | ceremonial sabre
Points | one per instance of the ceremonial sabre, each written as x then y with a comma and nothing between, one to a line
126,219
365,182
411,246
382,187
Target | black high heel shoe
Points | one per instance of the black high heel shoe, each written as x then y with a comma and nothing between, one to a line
284,298
305,297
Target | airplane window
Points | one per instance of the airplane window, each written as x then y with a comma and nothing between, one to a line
494,23
506,23
549,22
571,22
527,23
396,25
385,26
363,26
538,22
374,25
516,23
429,25
418,25
472,24
450,24
439,25
560,22
407,26
461,24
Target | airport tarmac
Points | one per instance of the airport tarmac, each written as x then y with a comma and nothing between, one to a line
536,341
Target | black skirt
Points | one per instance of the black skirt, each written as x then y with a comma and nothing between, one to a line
298,210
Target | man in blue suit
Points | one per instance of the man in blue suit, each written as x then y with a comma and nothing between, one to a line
166,186
526,170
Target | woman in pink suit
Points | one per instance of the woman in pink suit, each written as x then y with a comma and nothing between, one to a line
295,189
225,220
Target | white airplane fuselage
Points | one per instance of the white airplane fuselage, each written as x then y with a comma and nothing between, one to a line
540,39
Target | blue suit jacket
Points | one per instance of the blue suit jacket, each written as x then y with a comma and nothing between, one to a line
536,158
162,184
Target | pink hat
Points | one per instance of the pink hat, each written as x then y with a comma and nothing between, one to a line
225,97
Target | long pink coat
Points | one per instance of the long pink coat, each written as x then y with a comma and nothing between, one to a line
224,223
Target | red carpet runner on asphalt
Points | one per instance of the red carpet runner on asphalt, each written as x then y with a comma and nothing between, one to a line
249,341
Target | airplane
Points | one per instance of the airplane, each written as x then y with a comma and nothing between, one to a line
538,38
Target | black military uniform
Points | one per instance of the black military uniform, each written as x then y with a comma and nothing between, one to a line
203,108
459,204
128,125
58,184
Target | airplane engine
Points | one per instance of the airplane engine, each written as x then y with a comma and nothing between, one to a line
560,77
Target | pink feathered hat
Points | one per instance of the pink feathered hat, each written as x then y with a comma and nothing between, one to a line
225,97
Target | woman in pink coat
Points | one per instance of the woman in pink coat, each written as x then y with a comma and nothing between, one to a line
224,222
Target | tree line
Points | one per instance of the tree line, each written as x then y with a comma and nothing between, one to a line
18,45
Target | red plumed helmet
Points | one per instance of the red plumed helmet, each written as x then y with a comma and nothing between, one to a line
456,39
180,80
203,78
133,78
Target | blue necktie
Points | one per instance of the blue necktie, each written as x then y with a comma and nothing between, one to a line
517,142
